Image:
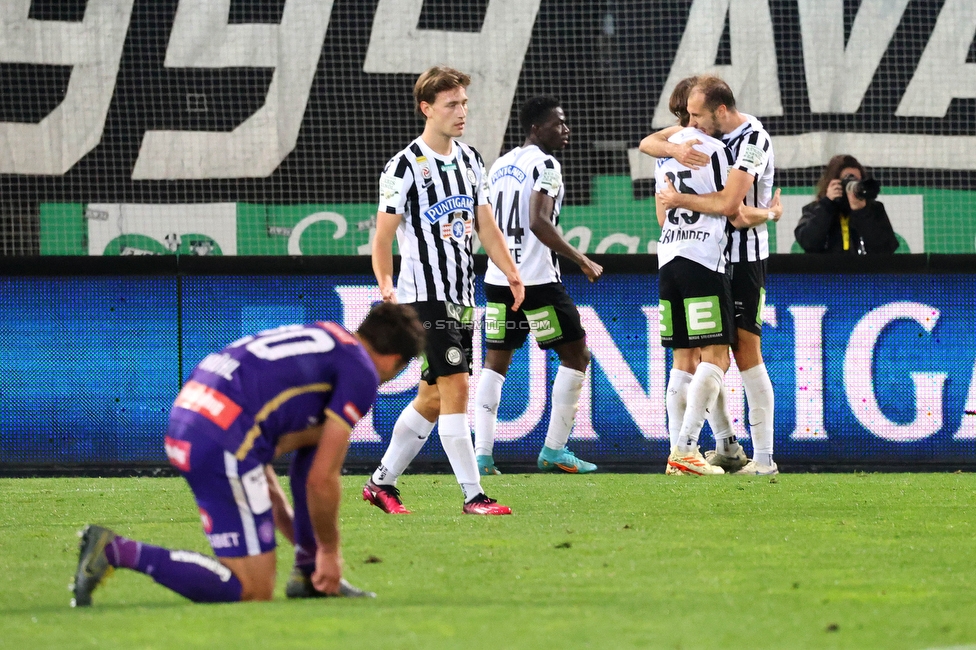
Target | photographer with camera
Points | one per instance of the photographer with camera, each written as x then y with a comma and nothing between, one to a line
846,218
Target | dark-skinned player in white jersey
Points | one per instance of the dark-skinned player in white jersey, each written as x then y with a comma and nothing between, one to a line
527,190
711,108
433,195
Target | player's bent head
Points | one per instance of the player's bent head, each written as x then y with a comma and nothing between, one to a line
435,80
716,92
536,111
678,104
393,329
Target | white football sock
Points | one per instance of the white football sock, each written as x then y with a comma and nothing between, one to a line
759,393
565,400
677,400
409,435
487,398
702,393
721,422
455,436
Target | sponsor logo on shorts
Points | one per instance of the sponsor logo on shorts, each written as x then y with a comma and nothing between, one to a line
206,521
453,356
666,319
208,402
544,323
703,315
495,321
352,413
266,531
224,540
178,452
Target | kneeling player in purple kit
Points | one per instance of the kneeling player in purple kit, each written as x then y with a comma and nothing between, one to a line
295,388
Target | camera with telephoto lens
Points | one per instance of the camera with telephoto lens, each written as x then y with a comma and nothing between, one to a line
866,190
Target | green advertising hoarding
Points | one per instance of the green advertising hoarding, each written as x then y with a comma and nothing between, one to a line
926,220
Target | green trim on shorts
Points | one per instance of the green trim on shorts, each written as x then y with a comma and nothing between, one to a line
544,323
665,318
495,321
762,306
703,315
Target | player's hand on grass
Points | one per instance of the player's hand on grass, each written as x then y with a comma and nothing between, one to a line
667,195
591,269
328,572
518,289
686,154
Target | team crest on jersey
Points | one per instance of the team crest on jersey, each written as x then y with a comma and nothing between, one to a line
453,356
424,167
451,204
457,229
471,177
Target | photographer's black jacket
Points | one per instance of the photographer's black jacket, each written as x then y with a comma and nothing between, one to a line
819,230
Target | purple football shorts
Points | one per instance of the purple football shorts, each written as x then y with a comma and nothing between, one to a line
232,495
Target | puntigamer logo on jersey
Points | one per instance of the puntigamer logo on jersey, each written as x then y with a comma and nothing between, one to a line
508,170
451,204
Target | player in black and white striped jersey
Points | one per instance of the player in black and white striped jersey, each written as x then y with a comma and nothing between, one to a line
433,197
711,108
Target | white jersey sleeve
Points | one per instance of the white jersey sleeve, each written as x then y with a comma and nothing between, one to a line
753,150
754,154
395,181
550,180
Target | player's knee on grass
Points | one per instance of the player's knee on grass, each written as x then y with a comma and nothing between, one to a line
256,574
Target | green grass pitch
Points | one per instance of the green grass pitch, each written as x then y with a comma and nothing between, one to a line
598,561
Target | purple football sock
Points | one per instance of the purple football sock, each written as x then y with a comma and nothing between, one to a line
200,578
305,544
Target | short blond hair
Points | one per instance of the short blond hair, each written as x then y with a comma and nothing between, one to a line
436,80
716,91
